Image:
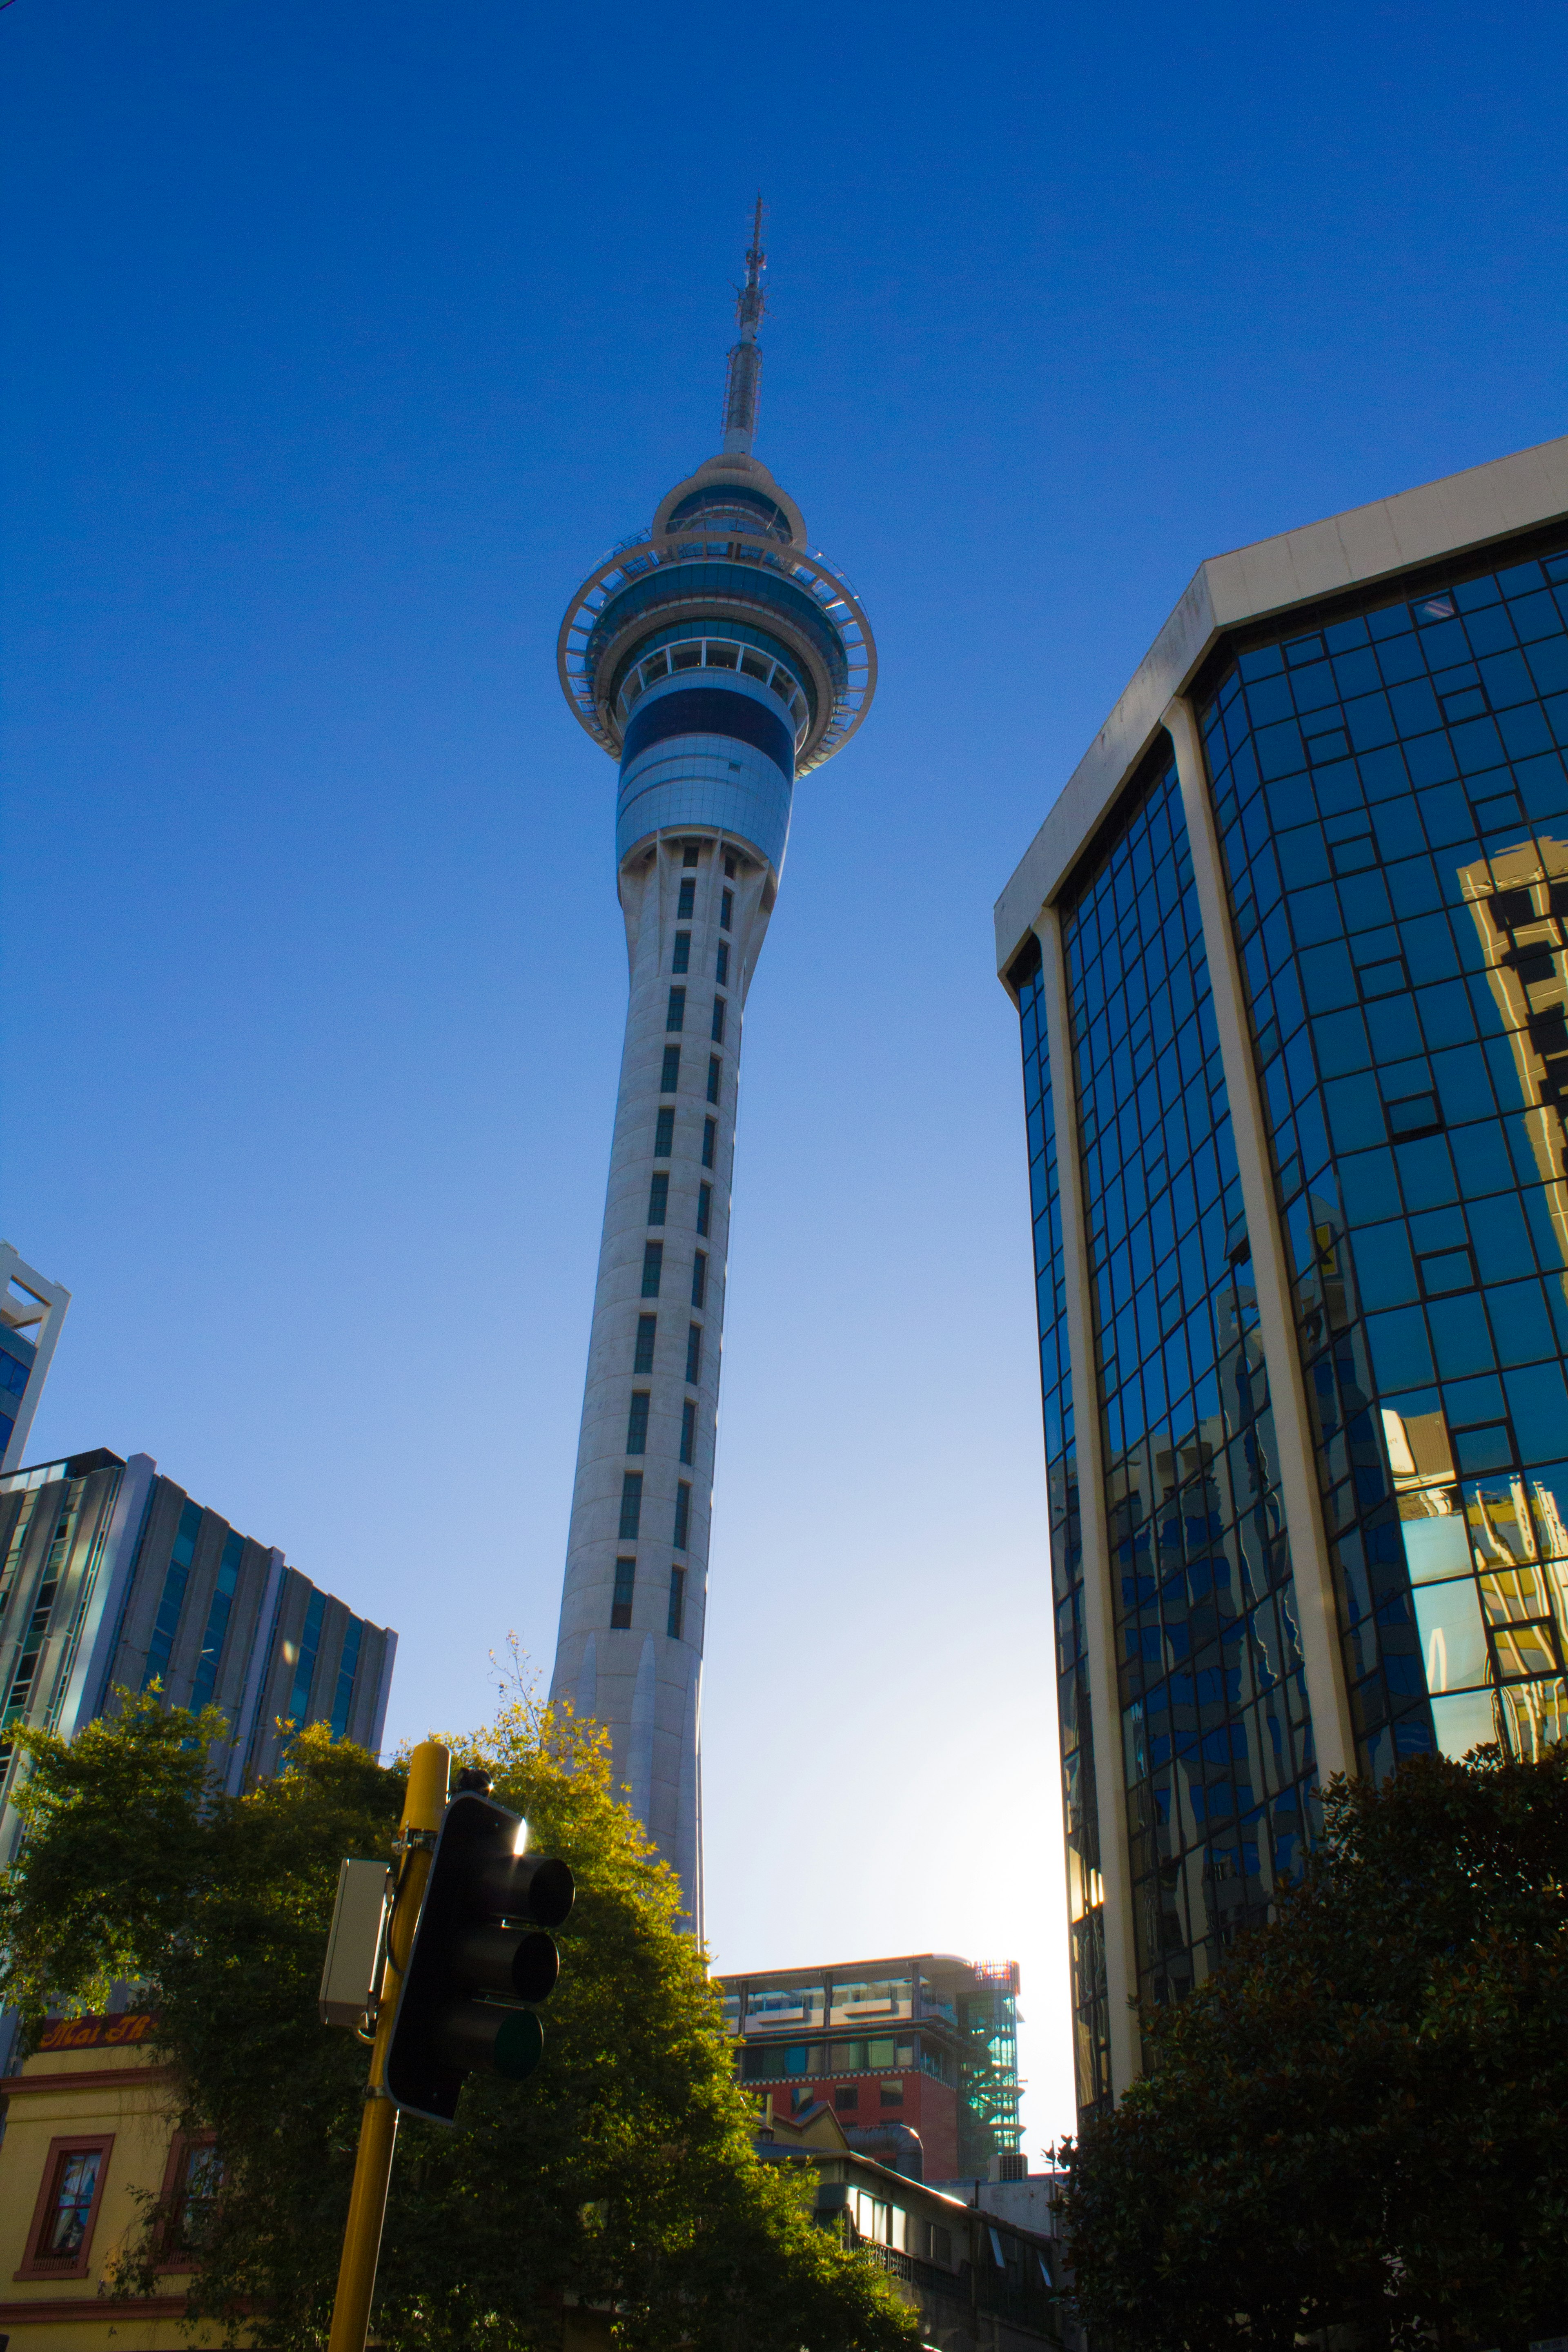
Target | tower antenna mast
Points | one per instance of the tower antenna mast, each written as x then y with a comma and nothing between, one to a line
746,356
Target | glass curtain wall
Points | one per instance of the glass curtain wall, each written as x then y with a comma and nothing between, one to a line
1092,2046
1216,1734
1392,806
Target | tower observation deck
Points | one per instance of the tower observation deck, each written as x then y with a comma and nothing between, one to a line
716,658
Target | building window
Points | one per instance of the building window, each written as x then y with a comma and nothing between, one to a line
714,1067
664,1133
689,1430
658,1197
846,2098
710,1134
631,1505
348,1668
689,853
647,1326
637,1423
729,867
694,1353
217,1623
675,1017
700,1278
681,960
621,1602
704,1207
305,1664
187,2201
669,1076
717,1030
652,1265
726,909
70,2195
677,1600
891,2094
166,1624
682,1517
723,963
688,900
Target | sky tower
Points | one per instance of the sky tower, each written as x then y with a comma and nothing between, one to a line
716,658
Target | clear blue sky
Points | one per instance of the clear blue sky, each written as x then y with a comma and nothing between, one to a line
341,341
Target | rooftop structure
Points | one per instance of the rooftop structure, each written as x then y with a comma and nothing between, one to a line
1289,958
716,658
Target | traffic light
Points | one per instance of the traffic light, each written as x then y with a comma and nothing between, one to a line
479,1952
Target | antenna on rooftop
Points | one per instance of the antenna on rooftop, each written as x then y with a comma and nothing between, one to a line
746,356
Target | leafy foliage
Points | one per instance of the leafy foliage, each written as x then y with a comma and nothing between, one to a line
1360,2120
623,2172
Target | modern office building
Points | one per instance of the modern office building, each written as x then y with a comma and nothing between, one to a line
1290,961
918,2056
112,1576
32,1309
716,658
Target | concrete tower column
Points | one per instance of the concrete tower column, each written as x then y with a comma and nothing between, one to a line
716,656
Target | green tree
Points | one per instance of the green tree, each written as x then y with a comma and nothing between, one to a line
624,2170
1360,2120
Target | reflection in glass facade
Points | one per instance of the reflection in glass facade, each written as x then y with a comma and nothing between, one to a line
1393,809
1085,1897
1216,1737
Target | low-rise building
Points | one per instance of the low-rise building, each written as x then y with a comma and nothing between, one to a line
917,2056
88,2135
980,2282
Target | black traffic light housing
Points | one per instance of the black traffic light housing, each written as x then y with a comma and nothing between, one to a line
479,1950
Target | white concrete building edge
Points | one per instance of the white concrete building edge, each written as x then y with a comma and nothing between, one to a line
641,1681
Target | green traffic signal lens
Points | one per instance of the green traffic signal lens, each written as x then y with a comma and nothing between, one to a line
519,2046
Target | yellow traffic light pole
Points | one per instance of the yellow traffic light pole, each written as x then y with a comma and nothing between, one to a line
422,1810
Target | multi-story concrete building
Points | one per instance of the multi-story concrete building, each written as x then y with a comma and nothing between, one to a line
32,1309
918,2056
1290,957
716,658
112,1576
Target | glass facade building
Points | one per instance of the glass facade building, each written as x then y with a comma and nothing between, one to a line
1291,965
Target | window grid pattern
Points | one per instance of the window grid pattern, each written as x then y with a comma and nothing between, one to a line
1393,809
172,1600
348,1669
1091,2048
218,1614
1216,1739
305,1666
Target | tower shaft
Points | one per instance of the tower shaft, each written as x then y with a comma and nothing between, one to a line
630,1645
716,656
